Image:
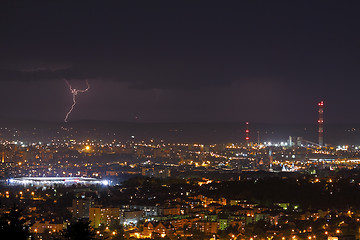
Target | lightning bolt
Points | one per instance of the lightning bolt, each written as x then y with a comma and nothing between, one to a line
74,92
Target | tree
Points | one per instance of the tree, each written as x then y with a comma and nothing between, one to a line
79,230
258,228
13,225
119,230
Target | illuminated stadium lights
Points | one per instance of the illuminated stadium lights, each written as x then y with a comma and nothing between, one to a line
48,181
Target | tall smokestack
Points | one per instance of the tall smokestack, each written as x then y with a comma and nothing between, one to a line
321,123
247,138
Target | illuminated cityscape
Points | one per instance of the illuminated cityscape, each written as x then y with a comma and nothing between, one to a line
142,189
179,120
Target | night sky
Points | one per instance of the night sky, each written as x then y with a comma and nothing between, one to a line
181,61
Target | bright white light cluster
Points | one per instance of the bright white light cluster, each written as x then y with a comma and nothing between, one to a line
46,181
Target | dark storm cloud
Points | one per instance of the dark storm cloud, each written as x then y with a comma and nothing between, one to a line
273,55
154,77
180,45
37,74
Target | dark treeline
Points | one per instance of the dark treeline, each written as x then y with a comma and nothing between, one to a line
307,192
339,194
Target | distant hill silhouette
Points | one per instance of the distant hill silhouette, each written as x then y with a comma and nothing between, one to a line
204,132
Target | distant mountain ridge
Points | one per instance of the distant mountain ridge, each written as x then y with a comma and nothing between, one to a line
204,132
